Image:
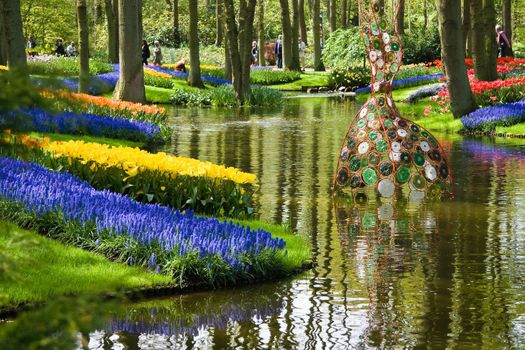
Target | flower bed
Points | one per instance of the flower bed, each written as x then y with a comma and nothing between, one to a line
426,91
182,183
36,119
189,248
405,83
488,118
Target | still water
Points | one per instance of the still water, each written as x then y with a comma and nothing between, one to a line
387,275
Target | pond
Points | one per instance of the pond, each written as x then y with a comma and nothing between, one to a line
387,275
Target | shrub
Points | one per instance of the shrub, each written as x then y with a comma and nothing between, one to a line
351,77
344,48
265,96
191,97
223,96
421,46
66,67
272,77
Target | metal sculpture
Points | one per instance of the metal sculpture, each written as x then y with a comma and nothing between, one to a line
382,150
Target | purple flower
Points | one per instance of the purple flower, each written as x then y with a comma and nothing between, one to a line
489,117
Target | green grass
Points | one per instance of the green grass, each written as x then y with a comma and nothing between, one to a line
308,79
46,269
518,129
163,96
87,138
297,246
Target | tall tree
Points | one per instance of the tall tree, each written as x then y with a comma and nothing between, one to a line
194,78
218,22
112,22
176,29
344,13
400,17
287,34
507,18
16,53
239,38
453,55
83,36
483,21
333,15
260,31
3,39
295,64
130,86
316,23
302,22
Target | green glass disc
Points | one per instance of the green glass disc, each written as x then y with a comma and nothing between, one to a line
419,159
381,145
355,164
369,176
403,173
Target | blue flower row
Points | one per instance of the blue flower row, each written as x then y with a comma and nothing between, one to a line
426,91
402,83
489,117
43,191
83,123
181,75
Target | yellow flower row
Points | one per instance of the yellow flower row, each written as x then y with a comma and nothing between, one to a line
133,160
154,73
3,67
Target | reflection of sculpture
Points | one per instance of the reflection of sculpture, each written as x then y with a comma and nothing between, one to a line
381,149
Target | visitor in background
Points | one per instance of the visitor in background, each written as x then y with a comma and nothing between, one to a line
302,47
145,52
504,46
71,50
255,53
31,45
279,51
157,54
181,66
59,48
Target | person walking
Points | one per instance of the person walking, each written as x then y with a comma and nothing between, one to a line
59,48
279,51
302,47
255,53
145,52
157,54
504,46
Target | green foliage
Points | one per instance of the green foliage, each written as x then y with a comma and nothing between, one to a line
272,77
344,48
158,81
421,46
66,67
352,77
224,96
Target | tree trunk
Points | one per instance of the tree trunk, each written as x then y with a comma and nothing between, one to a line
3,39
302,22
333,15
295,63
507,18
112,20
194,78
176,31
425,15
130,86
218,22
466,26
83,40
400,17
287,34
260,32
238,42
483,38
16,53
453,55
344,13
227,56
491,48
316,23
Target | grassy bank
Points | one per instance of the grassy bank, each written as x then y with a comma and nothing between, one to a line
42,268
308,79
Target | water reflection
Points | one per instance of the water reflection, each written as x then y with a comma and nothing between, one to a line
440,275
